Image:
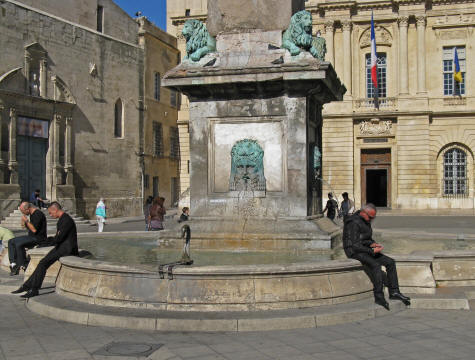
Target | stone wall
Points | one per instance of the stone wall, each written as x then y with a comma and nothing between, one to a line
103,165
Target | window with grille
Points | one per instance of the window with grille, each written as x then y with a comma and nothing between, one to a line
157,83
455,172
118,119
175,191
146,181
157,139
382,70
174,143
452,87
173,98
155,186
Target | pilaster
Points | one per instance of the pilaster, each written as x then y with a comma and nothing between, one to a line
43,77
329,32
68,166
403,60
347,25
421,54
12,161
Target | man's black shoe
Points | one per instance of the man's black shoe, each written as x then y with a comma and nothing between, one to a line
21,289
15,270
399,296
30,293
383,303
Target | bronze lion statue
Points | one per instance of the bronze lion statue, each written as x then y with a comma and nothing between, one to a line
198,40
298,36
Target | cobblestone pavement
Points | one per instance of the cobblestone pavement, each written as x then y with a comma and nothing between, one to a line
411,334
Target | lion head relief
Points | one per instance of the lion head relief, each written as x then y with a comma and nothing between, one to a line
198,40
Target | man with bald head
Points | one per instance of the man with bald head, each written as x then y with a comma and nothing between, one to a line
35,222
359,244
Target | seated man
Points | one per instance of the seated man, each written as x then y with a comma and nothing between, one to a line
358,244
36,227
65,243
36,200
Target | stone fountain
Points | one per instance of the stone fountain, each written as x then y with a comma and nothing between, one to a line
256,82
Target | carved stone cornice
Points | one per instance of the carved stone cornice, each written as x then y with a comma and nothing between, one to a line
180,20
403,21
343,5
346,24
421,20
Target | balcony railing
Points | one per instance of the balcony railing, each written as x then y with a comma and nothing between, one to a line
367,104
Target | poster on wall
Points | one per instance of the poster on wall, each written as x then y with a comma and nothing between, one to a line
32,127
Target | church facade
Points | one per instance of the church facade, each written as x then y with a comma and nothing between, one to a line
414,147
72,105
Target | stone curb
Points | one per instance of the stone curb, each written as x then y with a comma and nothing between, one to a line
56,307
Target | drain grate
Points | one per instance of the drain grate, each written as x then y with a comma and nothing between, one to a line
124,348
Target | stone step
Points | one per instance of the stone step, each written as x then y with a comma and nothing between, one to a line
59,307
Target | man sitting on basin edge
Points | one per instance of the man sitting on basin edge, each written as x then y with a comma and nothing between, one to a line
358,244
65,243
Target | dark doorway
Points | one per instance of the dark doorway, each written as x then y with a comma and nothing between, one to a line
31,156
377,187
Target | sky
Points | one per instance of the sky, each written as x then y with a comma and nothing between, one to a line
154,10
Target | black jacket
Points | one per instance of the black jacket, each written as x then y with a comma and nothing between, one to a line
357,235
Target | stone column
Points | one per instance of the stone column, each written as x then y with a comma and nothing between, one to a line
329,31
2,163
421,54
68,166
43,76
12,162
57,170
403,67
347,55
27,73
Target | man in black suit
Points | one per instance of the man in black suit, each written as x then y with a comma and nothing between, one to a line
358,244
65,243
36,226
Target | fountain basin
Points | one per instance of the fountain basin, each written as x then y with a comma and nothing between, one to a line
214,288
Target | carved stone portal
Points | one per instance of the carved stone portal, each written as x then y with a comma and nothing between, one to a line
247,167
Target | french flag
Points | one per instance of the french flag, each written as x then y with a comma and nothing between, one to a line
374,66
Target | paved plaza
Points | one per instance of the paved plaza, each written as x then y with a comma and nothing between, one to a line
411,334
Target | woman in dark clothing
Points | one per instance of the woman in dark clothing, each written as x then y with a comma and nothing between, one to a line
146,211
156,215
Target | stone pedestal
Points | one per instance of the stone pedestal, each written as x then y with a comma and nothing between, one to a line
255,117
233,16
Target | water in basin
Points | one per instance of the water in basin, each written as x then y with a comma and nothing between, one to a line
138,251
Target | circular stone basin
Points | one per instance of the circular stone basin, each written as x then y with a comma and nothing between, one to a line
214,288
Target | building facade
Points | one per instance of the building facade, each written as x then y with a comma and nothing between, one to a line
161,141
72,109
415,149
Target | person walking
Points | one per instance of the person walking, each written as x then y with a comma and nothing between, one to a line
36,226
146,211
156,215
100,215
359,245
347,207
331,207
65,244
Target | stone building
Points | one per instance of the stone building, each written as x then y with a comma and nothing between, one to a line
72,113
416,150
161,144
